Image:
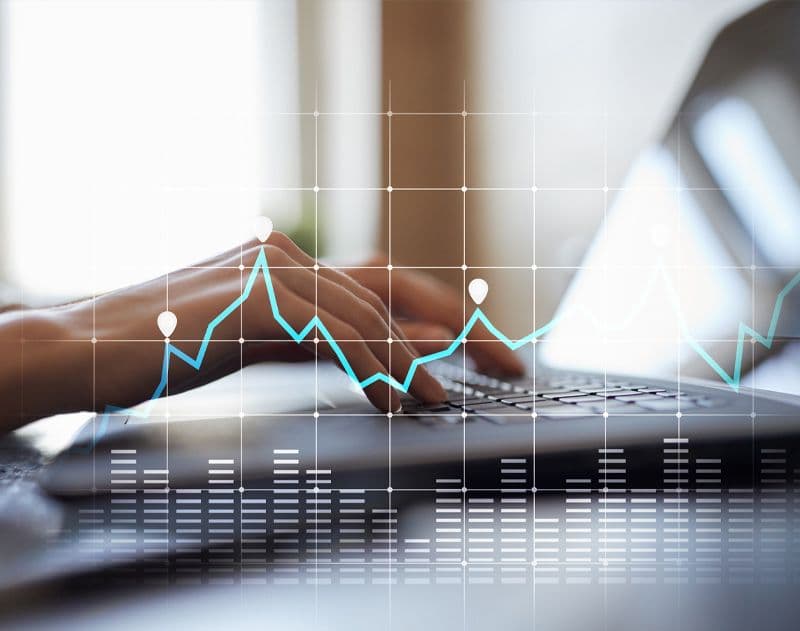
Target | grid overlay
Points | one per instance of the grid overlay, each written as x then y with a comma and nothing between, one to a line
390,189
465,506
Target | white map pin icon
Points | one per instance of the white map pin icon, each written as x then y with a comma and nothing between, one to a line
262,228
167,321
478,288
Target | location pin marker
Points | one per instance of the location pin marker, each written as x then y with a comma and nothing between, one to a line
478,288
262,227
167,321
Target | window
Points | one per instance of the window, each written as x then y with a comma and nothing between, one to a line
131,138
139,136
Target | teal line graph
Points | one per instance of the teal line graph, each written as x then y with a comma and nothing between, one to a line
262,267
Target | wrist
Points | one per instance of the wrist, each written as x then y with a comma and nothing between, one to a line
37,346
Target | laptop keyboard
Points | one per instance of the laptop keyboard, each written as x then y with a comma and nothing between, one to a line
563,396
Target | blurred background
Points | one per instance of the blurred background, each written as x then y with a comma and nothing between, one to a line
138,137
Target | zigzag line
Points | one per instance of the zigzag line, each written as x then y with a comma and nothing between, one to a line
261,266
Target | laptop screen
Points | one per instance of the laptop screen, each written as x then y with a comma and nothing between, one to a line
704,235
655,270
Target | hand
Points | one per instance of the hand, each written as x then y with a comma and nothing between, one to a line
92,353
88,354
434,313
356,318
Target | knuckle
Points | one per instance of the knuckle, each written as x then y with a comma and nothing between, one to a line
277,256
282,293
379,260
280,239
347,332
374,324
374,300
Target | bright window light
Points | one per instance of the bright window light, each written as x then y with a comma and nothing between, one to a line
132,138
655,272
746,163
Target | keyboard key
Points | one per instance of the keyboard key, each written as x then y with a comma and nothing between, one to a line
490,392
413,406
619,393
608,392
559,390
522,398
468,401
559,395
563,396
552,406
490,410
528,407
582,398
484,404
551,403
494,406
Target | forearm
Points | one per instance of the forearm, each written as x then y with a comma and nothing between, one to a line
87,355
50,365
43,370
109,351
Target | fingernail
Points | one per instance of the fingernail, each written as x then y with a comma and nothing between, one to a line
399,409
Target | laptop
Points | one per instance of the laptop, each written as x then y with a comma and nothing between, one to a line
719,246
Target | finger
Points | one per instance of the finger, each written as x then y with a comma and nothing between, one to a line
428,338
430,300
492,355
357,354
233,256
292,249
426,299
397,357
